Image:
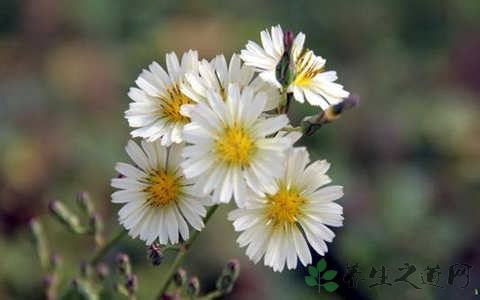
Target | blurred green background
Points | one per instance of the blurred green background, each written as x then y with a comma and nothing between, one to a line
408,156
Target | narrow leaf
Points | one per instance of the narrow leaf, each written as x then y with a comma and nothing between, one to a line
313,271
310,281
329,275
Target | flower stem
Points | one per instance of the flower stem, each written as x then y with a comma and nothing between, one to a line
212,295
106,247
181,254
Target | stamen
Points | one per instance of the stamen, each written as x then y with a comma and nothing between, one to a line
236,146
285,206
170,106
164,188
308,66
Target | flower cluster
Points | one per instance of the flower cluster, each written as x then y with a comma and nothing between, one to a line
214,132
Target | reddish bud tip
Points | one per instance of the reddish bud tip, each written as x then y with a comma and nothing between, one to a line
288,39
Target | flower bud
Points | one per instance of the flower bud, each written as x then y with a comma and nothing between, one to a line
49,280
229,275
131,284
193,288
288,40
66,217
155,254
85,203
334,111
85,269
311,123
285,71
233,268
102,271
123,263
180,277
38,238
75,283
55,260
96,226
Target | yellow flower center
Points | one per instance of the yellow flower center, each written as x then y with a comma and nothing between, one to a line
307,68
285,206
236,146
164,188
170,105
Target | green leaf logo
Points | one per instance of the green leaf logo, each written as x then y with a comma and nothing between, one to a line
330,286
310,281
329,275
315,278
322,265
313,271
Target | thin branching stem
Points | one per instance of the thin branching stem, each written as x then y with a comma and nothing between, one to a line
106,247
181,255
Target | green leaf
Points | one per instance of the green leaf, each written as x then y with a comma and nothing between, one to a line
329,275
322,265
330,286
311,281
313,271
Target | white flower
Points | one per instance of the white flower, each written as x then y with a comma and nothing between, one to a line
159,200
231,147
217,75
311,82
279,224
155,111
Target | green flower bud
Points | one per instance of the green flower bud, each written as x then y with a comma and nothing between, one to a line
180,277
102,271
66,217
132,283
230,273
193,288
39,240
285,71
123,263
85,203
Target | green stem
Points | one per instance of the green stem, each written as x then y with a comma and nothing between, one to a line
212,295
181,254
292,129
106,247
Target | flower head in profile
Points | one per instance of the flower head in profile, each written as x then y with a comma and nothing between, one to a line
232,147
159,202
155,110
217,75
279,224
310,81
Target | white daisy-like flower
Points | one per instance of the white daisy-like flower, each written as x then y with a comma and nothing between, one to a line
155,110
217,75
232,147
311,82
159,200
279,224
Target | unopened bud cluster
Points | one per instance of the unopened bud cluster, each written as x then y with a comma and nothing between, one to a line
229,275
127,283
93,225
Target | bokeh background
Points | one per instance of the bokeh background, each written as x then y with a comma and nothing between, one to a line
408,156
